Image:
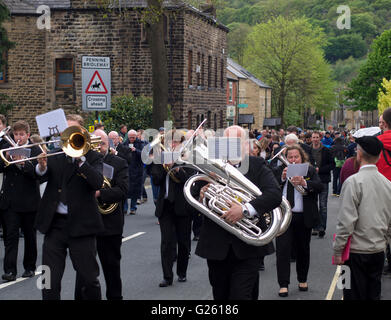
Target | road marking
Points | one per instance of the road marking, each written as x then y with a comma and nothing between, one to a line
132,236
333,284
5,285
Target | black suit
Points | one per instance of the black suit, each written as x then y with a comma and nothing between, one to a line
75,230
299,231
174,219
233,264
110,240
19,201
124,152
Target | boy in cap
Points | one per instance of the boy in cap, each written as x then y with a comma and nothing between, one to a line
365,215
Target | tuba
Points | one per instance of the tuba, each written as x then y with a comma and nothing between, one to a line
228,184
281,156
106,208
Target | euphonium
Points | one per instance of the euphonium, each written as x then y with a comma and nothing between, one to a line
228,184
281,156
106,208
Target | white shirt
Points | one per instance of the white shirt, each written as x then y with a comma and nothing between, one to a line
298,198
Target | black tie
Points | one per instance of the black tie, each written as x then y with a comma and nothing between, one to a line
291,194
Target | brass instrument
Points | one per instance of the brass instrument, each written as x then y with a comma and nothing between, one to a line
159,141
228,184
75,142
4,134
106,208
281,156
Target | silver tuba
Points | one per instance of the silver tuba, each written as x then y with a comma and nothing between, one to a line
228,184
281,156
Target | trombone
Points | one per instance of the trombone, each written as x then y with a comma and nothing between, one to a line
75,142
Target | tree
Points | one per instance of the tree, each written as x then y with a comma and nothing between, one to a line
384,96
344,46
363,90
237,40
287,55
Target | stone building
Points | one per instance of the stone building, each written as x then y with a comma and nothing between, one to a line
44,68
253,96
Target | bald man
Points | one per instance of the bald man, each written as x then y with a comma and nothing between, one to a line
118,149
233,264
110,240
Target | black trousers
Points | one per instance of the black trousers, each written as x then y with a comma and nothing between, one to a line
82,251
366,271
12,222
301,236
233,278
109,252
173,227
197,223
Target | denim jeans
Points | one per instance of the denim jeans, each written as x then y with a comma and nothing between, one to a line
133,205
336,181
323,197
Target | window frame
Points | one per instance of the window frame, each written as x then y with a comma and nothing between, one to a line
4,68
58,71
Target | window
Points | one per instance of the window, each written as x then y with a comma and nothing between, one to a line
64,73
209,71
216,73
198,69
3,68
215,122
222,74
231,91
189,119
202,71
209,121
190,68
265,103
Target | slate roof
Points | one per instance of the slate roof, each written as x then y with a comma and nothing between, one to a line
241,72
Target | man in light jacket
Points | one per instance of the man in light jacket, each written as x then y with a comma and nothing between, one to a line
365,215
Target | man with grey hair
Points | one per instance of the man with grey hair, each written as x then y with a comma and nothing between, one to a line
233,264
117,148
134,146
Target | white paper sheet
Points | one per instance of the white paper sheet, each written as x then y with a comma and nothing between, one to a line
51,123
297,170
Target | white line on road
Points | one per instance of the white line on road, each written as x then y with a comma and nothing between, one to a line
132,236
333,284
4,285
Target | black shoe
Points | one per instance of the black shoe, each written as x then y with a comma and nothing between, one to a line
196,238
9,276
283,294
321,234
315,232
182,279
165,283
28,274
303,288
262,267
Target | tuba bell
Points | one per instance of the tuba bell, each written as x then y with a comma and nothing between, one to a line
106,208
228,184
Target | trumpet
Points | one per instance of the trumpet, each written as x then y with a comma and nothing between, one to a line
75,142
281,156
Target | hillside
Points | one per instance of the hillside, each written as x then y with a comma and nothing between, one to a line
346,49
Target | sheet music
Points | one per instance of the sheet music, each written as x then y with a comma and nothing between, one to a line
51,123
108,171
297,170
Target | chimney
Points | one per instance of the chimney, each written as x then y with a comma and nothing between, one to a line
208,8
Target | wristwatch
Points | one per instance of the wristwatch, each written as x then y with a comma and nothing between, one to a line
246,213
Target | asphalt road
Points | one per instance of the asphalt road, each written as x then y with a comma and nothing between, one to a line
141,268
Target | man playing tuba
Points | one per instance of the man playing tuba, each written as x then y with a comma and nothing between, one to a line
233,264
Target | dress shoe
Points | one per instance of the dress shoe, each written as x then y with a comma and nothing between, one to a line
284,293
262,267
165,283
28,274
132,212
9,276
321,234
315,232
303,288
182,279
196,238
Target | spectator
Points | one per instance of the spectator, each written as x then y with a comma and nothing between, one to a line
338,151
365,216
349,168
323,161
135,171
123,132
384,164
327,141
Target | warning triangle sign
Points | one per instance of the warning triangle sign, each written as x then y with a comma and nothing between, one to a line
96,85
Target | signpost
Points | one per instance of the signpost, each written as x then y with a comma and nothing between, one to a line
96,83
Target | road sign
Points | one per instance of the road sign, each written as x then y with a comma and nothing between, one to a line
96,83
242,105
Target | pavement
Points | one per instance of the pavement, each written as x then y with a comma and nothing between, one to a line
141,268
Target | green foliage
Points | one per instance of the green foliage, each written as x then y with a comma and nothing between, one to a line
5,44
363,90
345,46
287,55
6,104
384,96
135,112
237,40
